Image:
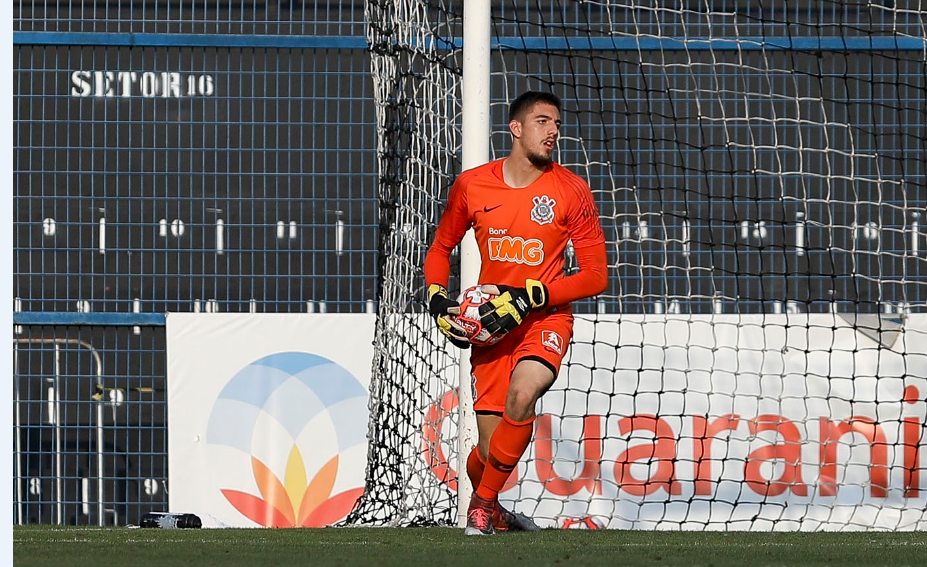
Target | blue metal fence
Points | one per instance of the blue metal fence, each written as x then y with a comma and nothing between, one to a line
167,176
796,176
89,424
160,169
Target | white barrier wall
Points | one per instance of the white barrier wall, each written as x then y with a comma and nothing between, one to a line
794,422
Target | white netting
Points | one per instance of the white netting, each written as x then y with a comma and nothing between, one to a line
415,84
760,356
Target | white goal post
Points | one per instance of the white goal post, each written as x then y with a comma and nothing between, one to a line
475,132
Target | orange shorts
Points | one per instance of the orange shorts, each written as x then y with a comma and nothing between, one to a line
542,337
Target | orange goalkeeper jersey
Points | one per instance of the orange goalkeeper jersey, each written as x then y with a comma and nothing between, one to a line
522,233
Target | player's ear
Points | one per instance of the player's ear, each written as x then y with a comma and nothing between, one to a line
515,127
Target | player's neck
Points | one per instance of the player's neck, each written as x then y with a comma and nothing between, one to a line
518,171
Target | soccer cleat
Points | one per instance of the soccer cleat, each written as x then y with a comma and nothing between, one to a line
479,517
504,520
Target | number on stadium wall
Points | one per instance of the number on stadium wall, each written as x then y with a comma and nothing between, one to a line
152,486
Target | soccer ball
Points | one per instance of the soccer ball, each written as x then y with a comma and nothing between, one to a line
470,300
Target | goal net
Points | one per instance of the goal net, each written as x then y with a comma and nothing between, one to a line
759,360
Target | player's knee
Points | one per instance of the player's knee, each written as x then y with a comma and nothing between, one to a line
519,405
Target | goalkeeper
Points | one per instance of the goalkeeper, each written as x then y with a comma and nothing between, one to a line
524,209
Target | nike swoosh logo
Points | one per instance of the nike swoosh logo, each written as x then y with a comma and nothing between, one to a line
487,209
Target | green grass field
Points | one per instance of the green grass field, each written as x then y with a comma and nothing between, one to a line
108,547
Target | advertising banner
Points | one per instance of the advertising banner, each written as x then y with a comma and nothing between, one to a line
795,422
267,416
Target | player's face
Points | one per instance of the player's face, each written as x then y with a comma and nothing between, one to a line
539,131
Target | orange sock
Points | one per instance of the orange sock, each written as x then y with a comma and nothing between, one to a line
475,466
506,446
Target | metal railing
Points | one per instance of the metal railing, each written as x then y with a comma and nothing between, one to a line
54,416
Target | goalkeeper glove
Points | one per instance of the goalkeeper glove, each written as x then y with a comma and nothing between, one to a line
440,306
507,311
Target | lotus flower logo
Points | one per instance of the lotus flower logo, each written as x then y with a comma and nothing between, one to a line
294,503
277,411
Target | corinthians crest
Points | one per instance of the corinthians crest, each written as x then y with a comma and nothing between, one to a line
543,211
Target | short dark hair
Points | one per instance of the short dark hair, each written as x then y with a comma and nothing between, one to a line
528,99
